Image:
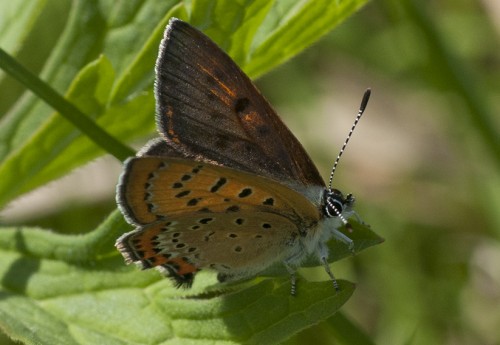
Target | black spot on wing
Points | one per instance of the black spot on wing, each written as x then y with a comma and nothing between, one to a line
241,104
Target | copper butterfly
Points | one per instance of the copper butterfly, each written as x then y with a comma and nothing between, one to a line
227,187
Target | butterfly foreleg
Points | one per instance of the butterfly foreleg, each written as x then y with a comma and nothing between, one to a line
343,238
359,219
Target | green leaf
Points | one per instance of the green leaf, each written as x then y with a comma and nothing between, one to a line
292,27
346,331
17,20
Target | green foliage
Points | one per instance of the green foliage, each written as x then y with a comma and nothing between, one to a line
75,289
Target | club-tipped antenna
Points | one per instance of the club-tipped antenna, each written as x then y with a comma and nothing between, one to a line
361,110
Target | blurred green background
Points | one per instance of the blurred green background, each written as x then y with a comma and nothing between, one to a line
423,163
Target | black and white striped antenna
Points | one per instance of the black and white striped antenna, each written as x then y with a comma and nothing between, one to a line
361,110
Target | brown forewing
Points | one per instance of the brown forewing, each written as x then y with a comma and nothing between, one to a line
209,110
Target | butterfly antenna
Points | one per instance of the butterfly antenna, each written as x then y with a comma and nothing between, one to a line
361,110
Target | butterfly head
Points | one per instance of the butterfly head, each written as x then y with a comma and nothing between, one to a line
335,203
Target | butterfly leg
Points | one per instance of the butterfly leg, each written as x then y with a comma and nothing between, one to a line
323,255
291,263
329,272
359,219
293,278
343,238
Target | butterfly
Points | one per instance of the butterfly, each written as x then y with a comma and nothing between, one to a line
227,187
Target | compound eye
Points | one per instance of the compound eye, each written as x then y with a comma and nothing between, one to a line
334,203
